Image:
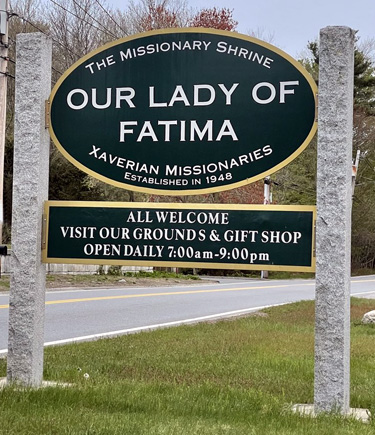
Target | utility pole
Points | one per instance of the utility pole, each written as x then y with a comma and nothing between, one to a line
3,104
266,200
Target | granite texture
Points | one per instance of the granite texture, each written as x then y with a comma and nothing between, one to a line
30,190
335,124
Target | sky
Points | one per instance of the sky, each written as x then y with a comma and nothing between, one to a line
293,23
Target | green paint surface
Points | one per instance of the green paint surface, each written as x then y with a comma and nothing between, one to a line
195,119
249,238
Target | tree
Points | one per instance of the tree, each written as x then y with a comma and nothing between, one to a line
364,76
298,180
248,194
149,15
221,19
263,34
363,233
78,27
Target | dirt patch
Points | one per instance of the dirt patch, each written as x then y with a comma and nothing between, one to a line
84,281
88,281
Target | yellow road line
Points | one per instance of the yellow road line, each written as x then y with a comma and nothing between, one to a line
191,292
188,292
143,295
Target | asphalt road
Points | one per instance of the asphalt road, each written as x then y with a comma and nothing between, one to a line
74,315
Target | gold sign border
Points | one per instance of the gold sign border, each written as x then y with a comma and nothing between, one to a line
150,190
185,206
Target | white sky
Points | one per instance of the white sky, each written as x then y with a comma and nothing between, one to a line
293,23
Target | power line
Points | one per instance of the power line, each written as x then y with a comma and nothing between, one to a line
93,18
47,34
110,16
14,62
81,19
29,22
296,187
7,74
8,59
57,71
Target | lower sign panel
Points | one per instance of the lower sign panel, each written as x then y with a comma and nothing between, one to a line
220,236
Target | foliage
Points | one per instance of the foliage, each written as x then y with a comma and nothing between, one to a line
66,181
78,27
363,234
297,182
364,83
149,15
220,19
161,274
364,76
248,194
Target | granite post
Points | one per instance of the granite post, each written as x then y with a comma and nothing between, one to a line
333,229
30,190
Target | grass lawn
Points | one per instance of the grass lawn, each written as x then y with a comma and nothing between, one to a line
228,377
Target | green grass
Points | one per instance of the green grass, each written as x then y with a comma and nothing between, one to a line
363,272
290,275
4,283
161,274
237,376
256,274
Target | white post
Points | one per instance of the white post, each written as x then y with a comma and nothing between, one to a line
355,170
335,121
30,190
266,201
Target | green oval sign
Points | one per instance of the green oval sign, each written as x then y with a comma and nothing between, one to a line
183,111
